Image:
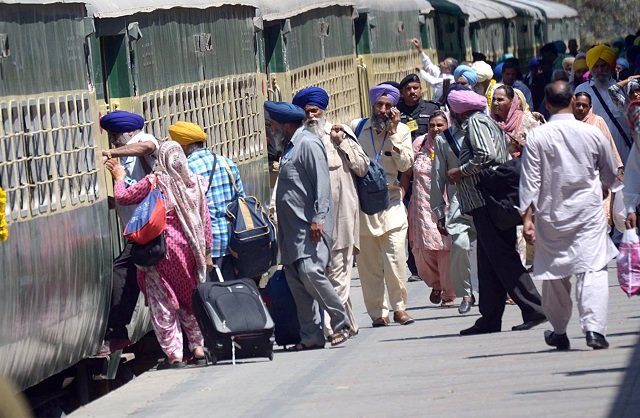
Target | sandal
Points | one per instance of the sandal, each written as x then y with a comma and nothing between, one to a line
435,296
447,303
340,337
304,347
166,365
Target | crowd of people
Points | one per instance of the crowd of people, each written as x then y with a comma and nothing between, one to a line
506,160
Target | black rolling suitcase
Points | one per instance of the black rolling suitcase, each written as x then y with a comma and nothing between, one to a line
234,321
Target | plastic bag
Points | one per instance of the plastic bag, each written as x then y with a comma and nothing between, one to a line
628,262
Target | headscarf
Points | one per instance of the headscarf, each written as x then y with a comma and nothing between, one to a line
631,86
512,123
121,121
568,60
561,47
463,101
185,133
314,96
633,116
467,73
380,90
524,105
603,52
283,112
623,63
184,192
483,71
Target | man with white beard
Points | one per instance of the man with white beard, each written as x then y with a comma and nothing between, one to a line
382,261
346,160
601,61
305,221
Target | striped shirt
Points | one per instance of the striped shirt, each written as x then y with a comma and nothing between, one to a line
484,146
221,192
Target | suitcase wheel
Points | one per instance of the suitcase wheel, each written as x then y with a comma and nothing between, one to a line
211,358
271,356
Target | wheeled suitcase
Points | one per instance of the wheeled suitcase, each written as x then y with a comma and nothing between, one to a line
234,321
282,308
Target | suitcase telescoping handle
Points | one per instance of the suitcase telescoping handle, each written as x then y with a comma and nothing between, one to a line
216,269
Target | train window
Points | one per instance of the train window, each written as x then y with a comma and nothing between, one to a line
47,154
227,110
4,45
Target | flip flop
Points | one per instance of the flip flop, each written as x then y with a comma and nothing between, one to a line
340,337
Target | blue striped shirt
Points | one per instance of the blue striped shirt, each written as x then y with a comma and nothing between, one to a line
221,192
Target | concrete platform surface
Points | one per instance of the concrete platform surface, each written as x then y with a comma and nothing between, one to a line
419,370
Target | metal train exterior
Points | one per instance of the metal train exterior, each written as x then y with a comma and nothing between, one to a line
64,64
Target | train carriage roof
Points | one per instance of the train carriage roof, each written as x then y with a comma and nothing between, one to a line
33,2
284,9
118,8
523,9
485,10
551,9
421,6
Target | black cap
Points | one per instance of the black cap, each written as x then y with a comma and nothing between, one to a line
411,78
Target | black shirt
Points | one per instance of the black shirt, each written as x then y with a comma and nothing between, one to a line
417,117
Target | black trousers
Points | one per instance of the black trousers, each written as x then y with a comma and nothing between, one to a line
124,295
225,265
500,271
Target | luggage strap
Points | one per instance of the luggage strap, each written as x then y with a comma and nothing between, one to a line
452,142
613,119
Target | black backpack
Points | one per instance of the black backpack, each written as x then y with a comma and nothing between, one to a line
252,235
373,190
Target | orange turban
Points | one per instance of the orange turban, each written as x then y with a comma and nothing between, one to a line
602,52
185,133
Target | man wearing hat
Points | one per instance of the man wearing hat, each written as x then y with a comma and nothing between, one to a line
499,267
305,224
346,160
137,153
382,235
222,188
601,61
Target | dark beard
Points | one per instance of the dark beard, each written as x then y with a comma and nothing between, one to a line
380,123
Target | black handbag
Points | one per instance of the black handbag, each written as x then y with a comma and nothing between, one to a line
499,188
151,253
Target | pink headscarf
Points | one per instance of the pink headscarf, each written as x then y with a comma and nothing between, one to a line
514,118
463,101
184,192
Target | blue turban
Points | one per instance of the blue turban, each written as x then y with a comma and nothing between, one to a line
623,63
497,72
380,90
283,112
121,121
467,73
314,96
535,62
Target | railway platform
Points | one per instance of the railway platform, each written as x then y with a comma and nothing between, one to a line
424,369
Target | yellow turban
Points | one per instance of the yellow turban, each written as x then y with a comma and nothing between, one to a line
602,52
580,64
185,133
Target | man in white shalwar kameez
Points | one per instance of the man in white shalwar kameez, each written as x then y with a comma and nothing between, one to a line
565,166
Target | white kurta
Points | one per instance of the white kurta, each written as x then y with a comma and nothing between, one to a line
564,166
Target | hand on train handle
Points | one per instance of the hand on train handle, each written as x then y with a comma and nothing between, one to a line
115,168
316,232
631,221
416,43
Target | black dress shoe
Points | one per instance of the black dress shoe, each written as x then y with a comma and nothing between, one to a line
528,325
414,278
465,305
596,340
559,341
474,330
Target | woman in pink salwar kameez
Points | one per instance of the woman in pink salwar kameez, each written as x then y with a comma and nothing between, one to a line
169,284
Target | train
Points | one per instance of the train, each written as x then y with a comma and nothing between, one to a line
64,64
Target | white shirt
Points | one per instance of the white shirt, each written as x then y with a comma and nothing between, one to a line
433,76
136,170
564,166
